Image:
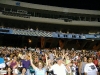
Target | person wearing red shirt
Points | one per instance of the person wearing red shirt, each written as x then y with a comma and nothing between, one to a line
95,61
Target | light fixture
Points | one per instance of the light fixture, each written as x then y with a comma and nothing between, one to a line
29,40
92,39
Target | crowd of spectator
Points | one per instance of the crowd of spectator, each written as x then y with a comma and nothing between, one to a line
23,61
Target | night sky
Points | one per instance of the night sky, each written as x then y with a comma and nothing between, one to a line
80,4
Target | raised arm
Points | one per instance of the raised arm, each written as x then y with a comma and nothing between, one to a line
80,67
46,59
55,53
31,61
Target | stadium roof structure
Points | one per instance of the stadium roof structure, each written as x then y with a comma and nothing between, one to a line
51,8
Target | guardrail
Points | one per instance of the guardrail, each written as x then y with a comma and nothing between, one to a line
48,34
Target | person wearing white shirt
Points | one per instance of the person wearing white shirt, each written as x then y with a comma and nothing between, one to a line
59,68
90,68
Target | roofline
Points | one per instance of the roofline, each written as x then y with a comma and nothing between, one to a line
50,8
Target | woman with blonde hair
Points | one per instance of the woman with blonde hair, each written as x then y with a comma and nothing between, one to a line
39,69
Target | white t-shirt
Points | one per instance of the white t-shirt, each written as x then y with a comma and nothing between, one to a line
90,69
2,65
59,70
73,69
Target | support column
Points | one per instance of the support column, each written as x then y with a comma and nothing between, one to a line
61,43
42,42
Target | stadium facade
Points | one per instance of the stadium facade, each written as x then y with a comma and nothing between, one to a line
49,18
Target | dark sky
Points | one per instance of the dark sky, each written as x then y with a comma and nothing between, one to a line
81,4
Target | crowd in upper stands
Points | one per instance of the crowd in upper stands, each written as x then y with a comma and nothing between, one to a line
23,61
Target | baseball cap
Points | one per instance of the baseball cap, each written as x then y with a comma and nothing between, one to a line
59,58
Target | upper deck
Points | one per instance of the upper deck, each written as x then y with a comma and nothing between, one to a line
48,14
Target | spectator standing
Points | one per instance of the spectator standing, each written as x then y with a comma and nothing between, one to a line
26,64
90,68
59,68
82,65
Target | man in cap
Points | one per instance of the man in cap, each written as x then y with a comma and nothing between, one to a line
59,68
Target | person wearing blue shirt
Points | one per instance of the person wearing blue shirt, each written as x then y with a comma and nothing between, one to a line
2,63
1,60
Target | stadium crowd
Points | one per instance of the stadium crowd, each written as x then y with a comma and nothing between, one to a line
23,61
